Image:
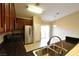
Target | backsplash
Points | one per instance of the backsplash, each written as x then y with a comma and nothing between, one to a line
72,40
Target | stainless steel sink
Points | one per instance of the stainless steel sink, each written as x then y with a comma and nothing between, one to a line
53,50
44,52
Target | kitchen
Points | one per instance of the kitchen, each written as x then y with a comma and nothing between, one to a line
23,32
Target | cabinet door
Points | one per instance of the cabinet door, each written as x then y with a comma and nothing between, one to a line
12,17
1,18
9,17
7,14
0,15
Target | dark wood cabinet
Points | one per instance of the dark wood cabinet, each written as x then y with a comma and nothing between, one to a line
0,15
7,17
7,21
2,18
12,17
20,23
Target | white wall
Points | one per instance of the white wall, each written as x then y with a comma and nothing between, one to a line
36,28
67,26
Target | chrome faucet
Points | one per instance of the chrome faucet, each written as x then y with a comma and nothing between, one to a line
61,50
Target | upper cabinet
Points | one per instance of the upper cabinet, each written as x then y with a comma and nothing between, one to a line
1,18
20,23
7,17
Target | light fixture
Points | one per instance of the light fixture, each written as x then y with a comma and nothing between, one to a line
35,9
54,26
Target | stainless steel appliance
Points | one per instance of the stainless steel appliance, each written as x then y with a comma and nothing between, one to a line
28,34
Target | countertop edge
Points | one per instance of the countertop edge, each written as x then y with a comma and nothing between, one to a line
74,51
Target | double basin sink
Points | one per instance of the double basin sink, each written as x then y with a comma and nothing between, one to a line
53,50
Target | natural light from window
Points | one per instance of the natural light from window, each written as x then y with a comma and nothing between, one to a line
44,34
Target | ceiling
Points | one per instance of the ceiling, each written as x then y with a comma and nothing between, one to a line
53,11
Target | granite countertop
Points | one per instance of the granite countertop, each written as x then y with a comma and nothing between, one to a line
74,51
